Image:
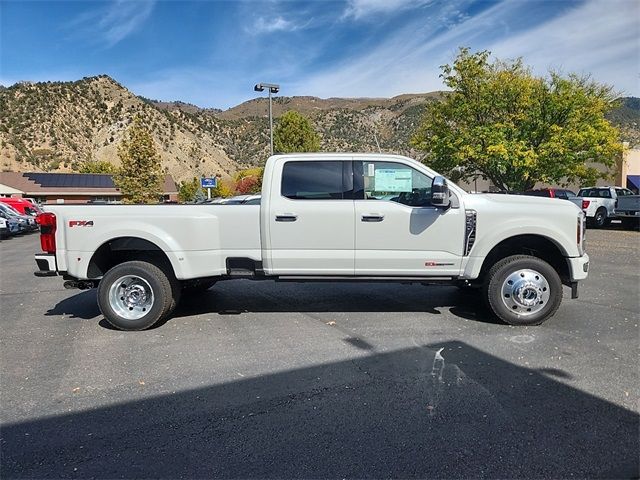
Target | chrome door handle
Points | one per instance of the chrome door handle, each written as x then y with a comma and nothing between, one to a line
372,218
287,217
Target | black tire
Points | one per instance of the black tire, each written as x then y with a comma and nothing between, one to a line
600,218
176,292
497,280
154,277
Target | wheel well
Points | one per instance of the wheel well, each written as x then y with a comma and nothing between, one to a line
534,245
124,249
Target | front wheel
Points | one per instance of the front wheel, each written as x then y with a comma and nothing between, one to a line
134,295
523,290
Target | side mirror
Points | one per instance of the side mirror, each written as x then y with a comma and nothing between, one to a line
440,193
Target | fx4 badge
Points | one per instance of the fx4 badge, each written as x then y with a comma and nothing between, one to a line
80,223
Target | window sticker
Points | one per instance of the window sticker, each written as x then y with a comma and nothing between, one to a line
393,180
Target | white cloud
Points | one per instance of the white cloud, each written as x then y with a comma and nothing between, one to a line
595,37
601,38
263,25
114,22
277,24
409,60
359,9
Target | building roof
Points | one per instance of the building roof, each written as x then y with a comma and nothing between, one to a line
35,184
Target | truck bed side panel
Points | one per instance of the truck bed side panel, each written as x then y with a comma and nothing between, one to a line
197,239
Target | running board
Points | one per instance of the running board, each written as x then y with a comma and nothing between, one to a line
324,278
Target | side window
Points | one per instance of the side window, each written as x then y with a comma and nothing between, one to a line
605,193
315,180
395,182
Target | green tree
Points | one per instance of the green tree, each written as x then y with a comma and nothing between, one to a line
140,177
98,166
189,190
295,133
223,189
503,123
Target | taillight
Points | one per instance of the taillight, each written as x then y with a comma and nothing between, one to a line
47,222
585,204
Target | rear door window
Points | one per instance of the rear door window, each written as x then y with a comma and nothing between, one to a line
323,180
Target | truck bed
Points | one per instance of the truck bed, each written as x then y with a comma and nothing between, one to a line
210,233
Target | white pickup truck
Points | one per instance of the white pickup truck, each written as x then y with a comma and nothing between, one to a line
338,217
600,203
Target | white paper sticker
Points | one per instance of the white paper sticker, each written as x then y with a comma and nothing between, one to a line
393,180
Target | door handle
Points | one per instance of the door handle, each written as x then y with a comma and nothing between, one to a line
372,218
286,217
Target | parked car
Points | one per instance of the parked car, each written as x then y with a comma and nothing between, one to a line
4,228
320,219
560,193
22,206
599,203
26,222
628,210
13,226
236,200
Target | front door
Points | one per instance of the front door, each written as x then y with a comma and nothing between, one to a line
398,232
311,218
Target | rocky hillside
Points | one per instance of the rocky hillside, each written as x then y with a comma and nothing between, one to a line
56,126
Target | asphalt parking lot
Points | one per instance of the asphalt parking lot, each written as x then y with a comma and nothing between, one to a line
266,380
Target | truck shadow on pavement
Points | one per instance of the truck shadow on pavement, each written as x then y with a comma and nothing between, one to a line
442,411
82,305
234,298
242,296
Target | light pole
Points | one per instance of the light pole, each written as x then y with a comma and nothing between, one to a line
273,88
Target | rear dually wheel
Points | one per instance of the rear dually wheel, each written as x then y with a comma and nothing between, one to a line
134,295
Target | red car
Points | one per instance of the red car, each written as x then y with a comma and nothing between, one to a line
23,206
551,193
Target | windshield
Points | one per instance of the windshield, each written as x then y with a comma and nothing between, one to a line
10,210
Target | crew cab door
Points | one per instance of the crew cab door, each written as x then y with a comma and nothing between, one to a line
311,218
398,231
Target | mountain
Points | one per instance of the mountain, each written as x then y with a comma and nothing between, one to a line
57,126
627,118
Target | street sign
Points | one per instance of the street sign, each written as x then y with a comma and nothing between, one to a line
208,182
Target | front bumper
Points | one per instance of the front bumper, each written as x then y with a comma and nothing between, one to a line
46,265
578,267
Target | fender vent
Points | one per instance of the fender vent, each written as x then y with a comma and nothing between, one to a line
470,230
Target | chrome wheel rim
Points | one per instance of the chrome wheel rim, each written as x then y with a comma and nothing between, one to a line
525,292
131,297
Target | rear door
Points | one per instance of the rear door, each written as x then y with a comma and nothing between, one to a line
398,232
311,218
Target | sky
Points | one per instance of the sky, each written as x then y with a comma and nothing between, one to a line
211,53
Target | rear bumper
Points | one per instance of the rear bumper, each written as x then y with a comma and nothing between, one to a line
578,267
46,265
627,214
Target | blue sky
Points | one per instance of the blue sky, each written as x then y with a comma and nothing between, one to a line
211,53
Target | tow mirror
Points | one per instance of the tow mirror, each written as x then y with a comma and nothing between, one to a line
440,193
